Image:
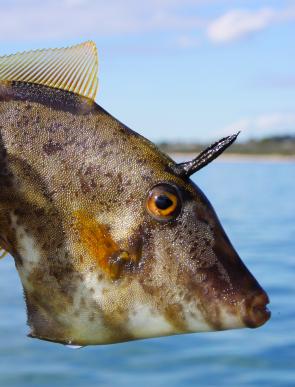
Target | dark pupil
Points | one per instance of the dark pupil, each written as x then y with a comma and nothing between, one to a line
163,202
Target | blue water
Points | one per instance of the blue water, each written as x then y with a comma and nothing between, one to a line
256,203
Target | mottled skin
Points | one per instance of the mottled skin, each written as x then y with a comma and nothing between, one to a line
96,267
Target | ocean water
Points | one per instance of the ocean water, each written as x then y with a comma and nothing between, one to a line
256,204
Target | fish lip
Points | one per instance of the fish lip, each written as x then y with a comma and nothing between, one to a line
256,311
264,312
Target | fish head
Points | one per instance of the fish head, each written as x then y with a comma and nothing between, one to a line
163,263
123,249
186,275
111,238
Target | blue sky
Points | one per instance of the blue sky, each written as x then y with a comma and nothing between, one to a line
175,69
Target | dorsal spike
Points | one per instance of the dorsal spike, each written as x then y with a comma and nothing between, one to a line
205,157
72,69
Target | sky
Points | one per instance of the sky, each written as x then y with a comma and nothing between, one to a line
175,70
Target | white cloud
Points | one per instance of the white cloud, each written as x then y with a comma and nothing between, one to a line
262,125
236,24
32,20
37,20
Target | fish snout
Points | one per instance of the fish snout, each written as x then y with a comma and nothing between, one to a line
256,312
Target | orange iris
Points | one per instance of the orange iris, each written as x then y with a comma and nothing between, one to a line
163,202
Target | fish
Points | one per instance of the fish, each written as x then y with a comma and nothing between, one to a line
111,238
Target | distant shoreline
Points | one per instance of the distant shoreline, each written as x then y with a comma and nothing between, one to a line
239,157
269,149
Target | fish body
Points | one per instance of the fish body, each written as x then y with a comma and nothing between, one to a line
111,239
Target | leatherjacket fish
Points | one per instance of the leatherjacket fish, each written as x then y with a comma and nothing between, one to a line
111,239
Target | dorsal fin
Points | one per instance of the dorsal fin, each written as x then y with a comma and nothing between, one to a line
72,69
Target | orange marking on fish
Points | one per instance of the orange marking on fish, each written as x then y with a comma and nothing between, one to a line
99,244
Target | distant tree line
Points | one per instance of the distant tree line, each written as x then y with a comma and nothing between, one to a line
272,145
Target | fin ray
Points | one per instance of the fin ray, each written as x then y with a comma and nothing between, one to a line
71,69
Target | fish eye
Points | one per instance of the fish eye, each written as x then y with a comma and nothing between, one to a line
163,202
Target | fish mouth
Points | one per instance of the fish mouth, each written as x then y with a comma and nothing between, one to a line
256,311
